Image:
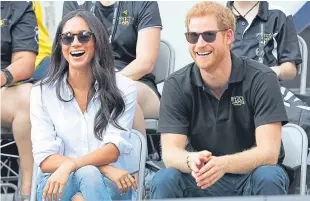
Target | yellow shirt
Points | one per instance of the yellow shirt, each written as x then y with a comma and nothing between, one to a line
45,46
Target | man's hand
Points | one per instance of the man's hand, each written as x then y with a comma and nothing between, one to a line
121,178
198,160
211,172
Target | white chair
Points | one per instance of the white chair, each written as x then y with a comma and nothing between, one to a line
302,68
8,160
163,68
295,144
135,164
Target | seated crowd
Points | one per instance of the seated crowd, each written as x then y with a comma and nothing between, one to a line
226,105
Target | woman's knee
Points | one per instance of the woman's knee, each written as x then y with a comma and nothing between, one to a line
78,197
88,174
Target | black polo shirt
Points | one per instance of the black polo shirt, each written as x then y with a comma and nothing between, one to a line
252,99
279,39
19,31
134,16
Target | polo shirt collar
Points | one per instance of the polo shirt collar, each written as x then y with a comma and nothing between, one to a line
237,69
235,76
262,11
2,4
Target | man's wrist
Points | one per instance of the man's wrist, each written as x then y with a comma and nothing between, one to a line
189,160
3,79
226,166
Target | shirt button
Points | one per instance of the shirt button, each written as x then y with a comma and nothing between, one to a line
243,23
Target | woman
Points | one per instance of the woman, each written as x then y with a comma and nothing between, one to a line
135,38
81,115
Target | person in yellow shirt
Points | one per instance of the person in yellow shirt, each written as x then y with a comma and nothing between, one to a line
44,41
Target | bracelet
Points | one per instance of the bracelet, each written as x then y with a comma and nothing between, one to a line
187,162
8,76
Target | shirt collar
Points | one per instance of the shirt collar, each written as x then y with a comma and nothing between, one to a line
67,89
235,76
262,11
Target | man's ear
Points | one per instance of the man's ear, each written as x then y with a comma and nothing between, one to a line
229,36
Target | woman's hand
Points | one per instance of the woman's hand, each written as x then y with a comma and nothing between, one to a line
57,181
121,178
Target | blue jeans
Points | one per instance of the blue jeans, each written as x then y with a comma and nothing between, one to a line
265,180
89,182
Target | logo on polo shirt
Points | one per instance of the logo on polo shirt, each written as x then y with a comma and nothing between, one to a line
4,22
125,19
266,37
237,100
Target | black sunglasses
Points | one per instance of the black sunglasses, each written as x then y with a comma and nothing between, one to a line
83,37
208,36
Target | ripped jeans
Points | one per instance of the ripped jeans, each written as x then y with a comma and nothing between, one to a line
90,183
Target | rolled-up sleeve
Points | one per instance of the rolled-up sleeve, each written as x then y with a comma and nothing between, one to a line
117,136
43,135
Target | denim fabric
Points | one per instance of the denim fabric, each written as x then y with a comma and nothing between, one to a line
89,182
265,180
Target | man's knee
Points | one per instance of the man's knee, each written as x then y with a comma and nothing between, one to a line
270,175
23,96
145,93
88,174
166,177
15,101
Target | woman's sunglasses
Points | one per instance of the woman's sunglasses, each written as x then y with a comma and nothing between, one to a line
82,36
208,36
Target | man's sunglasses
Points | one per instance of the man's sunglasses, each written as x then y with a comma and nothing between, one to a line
208,36
83,37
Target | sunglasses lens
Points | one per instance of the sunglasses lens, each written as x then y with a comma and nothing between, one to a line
192,37
84,36
67,39
209,36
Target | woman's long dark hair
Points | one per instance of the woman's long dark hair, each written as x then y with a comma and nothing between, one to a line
102,65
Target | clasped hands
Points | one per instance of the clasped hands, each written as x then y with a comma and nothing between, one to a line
207,169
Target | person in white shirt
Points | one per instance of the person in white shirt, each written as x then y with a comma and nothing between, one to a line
81,116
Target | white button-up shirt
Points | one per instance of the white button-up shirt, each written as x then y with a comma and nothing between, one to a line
60,127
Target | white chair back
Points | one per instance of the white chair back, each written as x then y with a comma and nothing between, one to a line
165,63
295,144
302,68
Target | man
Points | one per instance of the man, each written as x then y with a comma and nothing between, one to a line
19,48
231,111
267,36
